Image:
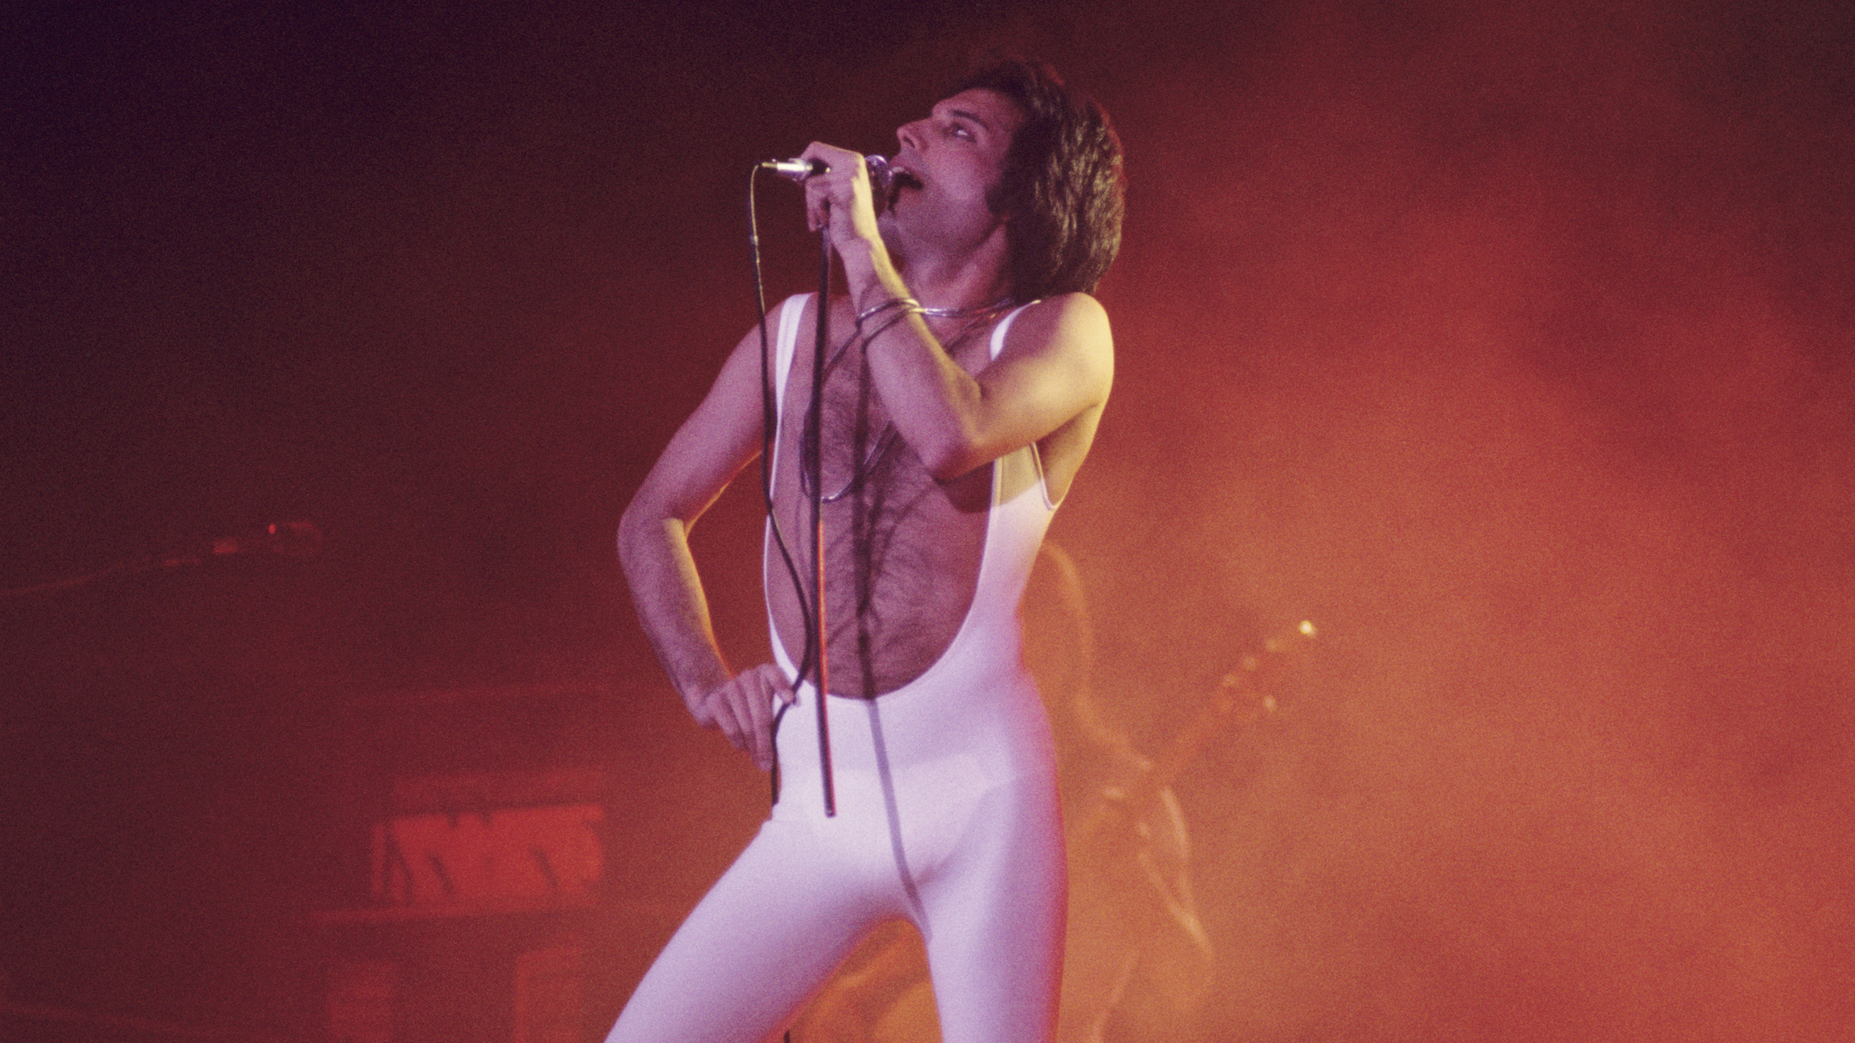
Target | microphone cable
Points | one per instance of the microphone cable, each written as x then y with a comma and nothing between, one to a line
814,659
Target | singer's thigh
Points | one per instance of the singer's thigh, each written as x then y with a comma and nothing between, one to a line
995,916
763,939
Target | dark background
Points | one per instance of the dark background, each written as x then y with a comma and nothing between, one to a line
1512,346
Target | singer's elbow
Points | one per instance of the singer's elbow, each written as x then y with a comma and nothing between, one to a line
953,456
640,529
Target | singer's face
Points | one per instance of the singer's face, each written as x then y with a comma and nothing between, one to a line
951,160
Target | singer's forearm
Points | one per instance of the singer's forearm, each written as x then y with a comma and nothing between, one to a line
869,272
711,447
671,604
932,401
1057,367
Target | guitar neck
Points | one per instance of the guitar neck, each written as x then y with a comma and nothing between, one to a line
1242,697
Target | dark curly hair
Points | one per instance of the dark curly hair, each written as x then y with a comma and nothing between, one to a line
1062,183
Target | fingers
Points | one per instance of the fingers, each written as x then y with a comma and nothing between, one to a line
769,688
840,188
744,709
754,711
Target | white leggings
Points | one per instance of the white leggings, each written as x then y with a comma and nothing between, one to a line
946,815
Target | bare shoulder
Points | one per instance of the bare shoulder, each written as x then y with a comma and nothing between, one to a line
1072,328
1075,318
1066,339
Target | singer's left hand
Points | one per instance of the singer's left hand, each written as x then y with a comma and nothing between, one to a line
840,201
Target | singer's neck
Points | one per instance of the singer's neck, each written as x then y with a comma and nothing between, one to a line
959,288
968,279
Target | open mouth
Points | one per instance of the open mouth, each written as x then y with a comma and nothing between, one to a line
902,177
893,180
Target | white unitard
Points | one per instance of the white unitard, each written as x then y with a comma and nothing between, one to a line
947,816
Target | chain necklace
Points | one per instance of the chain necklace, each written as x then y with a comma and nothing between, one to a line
987,311
808,449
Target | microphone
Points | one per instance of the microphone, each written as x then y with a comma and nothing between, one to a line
881,176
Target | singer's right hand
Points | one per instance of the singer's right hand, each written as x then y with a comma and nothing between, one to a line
840,200
743,708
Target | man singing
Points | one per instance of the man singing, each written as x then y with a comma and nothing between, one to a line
965,371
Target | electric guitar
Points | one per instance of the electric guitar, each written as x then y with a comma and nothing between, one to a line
1243,697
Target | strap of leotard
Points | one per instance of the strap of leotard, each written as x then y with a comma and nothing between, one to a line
998,346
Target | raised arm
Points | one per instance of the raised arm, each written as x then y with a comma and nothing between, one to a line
1053,375
721,437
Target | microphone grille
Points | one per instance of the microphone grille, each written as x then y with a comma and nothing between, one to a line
881,178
